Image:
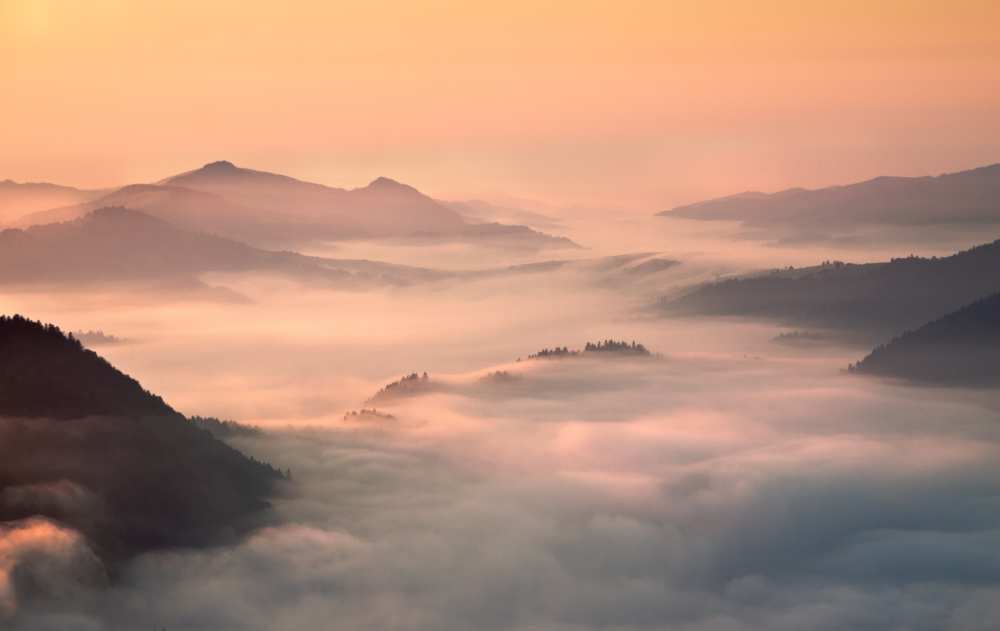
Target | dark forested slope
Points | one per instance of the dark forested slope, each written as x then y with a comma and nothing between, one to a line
85,444
962,348
874,298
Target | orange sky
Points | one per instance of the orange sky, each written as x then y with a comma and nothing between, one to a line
640,104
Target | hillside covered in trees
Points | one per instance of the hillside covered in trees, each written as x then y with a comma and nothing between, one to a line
962,348
86,445
47,373
609,347
408,385
877,299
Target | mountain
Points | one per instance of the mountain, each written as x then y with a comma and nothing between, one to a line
967,197
117,244
21,198
195,210
961,348
45,373
269,210
878,299
383,208
86,445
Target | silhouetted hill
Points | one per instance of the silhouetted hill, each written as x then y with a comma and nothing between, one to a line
962,348
185,208
45,373
406,386
118,244
384,207
18,199
86,445
954,198
608,348
268,209
875,298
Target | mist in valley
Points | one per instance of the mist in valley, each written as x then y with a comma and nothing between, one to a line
727,481
451,316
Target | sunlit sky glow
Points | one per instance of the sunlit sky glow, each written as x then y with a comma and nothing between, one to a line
636,104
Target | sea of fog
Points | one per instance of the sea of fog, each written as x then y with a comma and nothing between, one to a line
726,483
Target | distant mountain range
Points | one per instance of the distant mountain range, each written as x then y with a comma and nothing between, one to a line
268,209
877,299
966,198
86,445
18,199
959,349
118,244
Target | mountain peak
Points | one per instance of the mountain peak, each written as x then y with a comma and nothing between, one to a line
386,183
220,166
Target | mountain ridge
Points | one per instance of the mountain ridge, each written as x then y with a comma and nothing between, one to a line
121,244
874,298
961,348
274,210
968,196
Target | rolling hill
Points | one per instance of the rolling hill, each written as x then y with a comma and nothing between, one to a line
21,198
877,299
118,244
957,201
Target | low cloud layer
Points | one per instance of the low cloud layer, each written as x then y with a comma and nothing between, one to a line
673,493
731,484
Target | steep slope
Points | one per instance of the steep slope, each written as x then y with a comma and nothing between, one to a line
45,373
84,444
962,348
876,298
954,198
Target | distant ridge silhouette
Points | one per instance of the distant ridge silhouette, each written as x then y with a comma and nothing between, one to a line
965,197
273,210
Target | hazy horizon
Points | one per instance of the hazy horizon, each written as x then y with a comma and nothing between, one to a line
643,106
